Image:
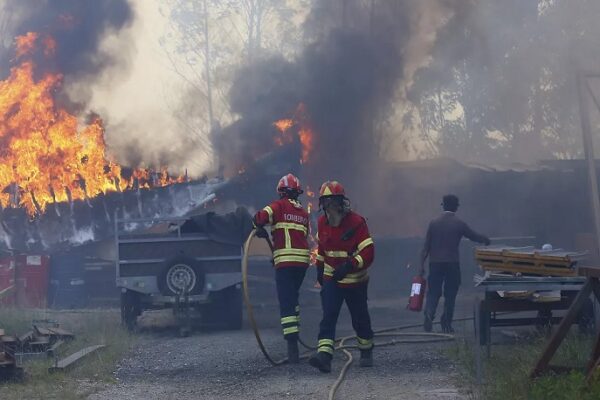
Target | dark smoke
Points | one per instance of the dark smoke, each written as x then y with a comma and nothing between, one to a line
347,78
77,26
262,93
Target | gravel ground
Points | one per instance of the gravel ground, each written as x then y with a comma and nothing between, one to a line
229,365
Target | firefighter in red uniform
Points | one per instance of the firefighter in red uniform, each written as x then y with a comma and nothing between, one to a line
346,251
291,255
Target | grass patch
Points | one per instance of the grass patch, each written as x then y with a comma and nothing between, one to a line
91,374
506,373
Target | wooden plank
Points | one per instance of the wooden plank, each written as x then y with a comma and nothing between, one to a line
42,331
5,292
71,360
563,329
592,370
539,270
593,361
26,337
590,272
52,350
61,332
40,340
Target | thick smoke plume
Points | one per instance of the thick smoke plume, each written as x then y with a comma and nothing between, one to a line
350,77
78,27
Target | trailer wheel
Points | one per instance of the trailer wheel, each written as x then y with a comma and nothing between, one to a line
130,309
181,274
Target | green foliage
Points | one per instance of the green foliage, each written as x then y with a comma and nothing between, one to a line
506,373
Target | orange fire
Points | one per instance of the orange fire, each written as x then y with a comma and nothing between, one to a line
284,124
306,138
25,44
44,150
304,132
311,197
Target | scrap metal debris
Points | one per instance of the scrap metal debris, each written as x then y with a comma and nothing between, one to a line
45,337
71,360
9,368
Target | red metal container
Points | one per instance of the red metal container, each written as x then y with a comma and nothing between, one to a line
417,294
32,279
7,281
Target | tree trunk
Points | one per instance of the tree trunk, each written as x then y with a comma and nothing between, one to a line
207,68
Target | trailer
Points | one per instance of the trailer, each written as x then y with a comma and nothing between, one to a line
181,264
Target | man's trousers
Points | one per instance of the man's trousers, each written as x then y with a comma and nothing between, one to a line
444,278
332,297
289,280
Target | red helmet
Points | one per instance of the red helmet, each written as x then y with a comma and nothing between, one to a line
289,182
332,188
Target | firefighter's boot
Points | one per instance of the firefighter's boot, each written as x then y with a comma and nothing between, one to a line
292,351
366,358
322,361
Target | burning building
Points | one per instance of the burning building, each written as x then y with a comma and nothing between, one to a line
321,115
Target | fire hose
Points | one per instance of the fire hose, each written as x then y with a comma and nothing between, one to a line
429,337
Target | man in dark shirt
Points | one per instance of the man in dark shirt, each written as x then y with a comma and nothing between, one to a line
441,246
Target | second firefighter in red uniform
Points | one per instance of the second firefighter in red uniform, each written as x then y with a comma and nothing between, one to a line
346,252
289,229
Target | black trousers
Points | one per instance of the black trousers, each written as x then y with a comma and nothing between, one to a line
332,297
444,278
289,280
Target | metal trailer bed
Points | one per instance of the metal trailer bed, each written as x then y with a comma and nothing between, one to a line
198,277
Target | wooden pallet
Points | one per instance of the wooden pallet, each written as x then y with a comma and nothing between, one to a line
528,260
539,269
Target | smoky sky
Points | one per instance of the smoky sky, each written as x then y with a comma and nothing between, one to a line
77,26
346,77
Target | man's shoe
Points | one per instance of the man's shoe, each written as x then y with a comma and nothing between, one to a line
446,325
366,358
292,351
428,323
447,328
322,361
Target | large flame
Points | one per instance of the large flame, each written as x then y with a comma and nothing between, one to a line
45,155
303,131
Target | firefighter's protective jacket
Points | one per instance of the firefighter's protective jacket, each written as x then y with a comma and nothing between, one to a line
350,241
289,229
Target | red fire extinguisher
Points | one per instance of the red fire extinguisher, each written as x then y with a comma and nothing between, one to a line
417,293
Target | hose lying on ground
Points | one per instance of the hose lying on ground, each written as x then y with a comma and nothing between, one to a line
392,331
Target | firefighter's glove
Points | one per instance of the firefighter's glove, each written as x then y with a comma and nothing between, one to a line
340,272
261,232
320,275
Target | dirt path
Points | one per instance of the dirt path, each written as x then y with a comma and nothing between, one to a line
228,365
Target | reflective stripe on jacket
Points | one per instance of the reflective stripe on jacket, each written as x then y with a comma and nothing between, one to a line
289,230
350,241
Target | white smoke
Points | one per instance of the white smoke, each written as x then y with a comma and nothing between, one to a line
139,100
